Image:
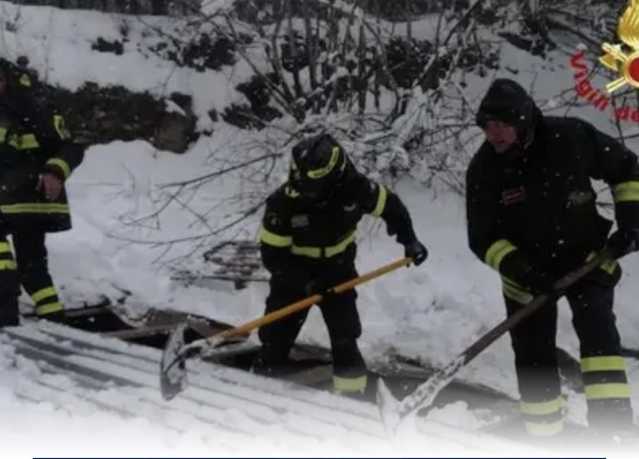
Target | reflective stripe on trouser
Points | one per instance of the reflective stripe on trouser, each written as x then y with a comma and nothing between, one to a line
533,341
7,263
355,384
543,418
9,289
46,301
33,271
595,324
603,370
349,368
607,389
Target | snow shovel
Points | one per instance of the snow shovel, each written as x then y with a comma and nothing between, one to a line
393,412
176,352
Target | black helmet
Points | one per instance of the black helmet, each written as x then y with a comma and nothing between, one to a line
13,76
317,166
508,102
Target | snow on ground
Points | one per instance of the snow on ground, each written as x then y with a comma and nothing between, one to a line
432,312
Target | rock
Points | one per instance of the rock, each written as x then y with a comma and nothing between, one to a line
173,133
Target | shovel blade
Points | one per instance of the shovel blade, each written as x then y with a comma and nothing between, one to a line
388,407
172,364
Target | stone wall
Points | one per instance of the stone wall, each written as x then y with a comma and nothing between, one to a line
160,7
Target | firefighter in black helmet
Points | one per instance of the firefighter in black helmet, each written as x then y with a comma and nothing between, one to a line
37,156
308,245
532,216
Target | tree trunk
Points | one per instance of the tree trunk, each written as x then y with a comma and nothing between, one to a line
311,49
292,42
362,86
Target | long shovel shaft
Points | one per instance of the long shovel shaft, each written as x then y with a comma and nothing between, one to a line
219,338
302,304
426,392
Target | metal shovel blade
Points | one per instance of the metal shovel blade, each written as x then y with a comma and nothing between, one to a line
172,364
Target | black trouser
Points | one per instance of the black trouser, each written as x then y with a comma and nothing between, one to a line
339,313
603,370
33,270
9,288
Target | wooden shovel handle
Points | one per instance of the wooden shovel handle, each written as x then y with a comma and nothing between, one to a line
306,302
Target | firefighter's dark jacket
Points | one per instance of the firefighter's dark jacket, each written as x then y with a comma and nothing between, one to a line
540,205
296,235
33,141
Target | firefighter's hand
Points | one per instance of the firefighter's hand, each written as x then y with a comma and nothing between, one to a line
416,250
319,286
624,241
50,186
537,281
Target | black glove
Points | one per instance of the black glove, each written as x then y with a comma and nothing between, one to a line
319,286
537,281
623,241
415,250
517,268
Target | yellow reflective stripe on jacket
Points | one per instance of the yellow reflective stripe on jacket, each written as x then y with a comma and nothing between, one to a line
19,142
607,390
49,308
603,363
62,164
291,192
381,201
43,293
25,142
329,251
609,265
515,291
548,429
324,171
35,208
60,127
626,192
8,265
5,247
497,251
276,240
541,408
25,80
350,385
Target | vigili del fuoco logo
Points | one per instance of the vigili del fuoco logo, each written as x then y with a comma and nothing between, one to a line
621,58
